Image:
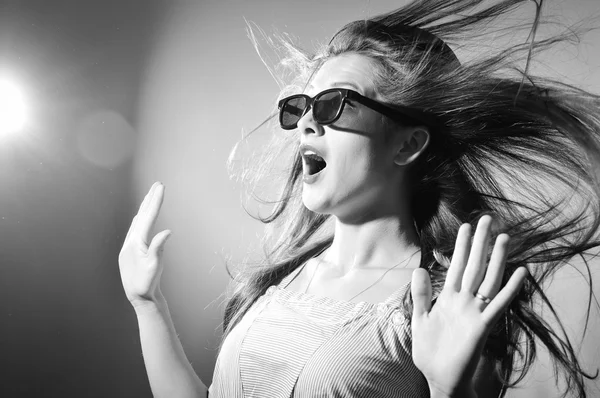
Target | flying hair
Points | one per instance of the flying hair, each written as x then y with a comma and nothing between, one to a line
505,136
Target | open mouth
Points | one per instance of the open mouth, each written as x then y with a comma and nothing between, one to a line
313,163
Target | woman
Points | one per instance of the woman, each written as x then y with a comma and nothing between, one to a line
399,149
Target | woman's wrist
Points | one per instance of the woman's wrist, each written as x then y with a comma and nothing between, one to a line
158,304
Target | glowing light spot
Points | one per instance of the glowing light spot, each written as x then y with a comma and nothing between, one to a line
12,107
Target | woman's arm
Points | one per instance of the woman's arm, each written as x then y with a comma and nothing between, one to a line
169,371
140,264
448,338
486,382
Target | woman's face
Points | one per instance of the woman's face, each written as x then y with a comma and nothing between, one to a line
361,178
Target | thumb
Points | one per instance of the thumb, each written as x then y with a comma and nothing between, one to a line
158,242
420,289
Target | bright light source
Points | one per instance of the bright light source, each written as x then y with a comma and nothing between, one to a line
12,107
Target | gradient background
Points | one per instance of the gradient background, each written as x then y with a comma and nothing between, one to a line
124,93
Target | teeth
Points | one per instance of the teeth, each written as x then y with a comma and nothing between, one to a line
312,163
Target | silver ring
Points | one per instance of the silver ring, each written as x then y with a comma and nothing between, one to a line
483,298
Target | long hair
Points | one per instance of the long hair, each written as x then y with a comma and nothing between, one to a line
503,142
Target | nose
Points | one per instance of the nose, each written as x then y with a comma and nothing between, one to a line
308,125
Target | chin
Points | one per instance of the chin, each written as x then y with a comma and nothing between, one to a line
315,205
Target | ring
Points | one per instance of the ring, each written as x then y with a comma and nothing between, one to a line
483,298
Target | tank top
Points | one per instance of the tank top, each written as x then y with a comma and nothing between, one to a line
301,345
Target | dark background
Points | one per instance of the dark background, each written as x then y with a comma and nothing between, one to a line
121,94
65,327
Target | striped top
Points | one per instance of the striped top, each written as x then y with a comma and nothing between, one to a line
300,345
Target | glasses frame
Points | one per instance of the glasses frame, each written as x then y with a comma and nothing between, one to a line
399,113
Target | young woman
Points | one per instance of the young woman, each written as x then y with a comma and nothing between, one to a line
377,286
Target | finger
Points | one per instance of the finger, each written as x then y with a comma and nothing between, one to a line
477,264
420,289
493,277
141,212
130,230
148,218
158,243
459,258
148,198
504,297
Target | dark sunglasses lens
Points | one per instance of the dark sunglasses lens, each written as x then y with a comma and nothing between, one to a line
327,107
291,111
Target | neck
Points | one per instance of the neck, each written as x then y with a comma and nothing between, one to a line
380,242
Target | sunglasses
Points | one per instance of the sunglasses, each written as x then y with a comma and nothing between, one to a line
327,107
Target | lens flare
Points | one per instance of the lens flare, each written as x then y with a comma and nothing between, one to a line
105,139
12,107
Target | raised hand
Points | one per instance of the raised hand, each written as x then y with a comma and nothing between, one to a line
140,259
448,339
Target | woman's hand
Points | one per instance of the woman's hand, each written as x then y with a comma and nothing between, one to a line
140,259
447,341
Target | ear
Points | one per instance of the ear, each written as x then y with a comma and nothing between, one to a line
414,141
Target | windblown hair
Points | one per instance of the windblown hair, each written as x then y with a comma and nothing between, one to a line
503,142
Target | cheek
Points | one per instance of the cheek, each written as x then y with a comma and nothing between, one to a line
364,151
356,162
